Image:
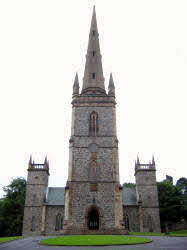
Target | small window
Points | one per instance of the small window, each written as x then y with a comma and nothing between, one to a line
61,226
93,53
126,221
33,224
93,124
59,222
93,75
93,32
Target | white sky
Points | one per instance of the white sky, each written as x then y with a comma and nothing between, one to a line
43,44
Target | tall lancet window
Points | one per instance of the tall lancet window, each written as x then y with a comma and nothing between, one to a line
93,124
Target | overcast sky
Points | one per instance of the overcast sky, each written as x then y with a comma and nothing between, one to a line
43,44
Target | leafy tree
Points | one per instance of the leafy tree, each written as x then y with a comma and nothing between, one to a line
182,183
171,202
12,208
129,185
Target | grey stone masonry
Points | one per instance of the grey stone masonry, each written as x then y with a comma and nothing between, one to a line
147,195
37,183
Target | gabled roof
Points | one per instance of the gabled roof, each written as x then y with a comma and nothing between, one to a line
129,196
55,196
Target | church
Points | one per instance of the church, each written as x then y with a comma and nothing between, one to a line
93,201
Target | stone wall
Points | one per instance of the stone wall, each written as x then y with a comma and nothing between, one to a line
32,227
50,221
82,199
37,182
133,214
151,219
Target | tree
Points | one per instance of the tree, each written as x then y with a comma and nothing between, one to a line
12,208
129,185
182,183
170,202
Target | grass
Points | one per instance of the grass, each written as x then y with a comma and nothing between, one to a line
180,233
147,234
93,240
5,239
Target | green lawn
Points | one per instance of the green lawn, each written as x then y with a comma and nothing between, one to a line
147,234
93,240
5,239
180,233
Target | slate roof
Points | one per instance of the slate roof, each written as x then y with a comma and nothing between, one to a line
129,196
55,196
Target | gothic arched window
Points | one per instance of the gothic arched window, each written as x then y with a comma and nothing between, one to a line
33,223
126,222
59,222
93,124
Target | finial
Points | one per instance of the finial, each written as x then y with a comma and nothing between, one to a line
153,160
76,85
30,160
45,161
138,161
111,87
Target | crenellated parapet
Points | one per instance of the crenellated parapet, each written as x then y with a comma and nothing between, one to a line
32,166
144,166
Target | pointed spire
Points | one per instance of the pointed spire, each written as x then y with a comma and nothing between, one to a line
45,161
111,87
76,85
153,160
138,161
30,161
93,73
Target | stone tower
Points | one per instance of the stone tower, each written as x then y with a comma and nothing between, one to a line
37,183
147,196
93,202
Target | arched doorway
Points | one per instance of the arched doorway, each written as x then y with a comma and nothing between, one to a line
93,219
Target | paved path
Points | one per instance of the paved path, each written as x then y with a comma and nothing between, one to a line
159,243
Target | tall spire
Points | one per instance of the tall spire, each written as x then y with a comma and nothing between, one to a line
93,73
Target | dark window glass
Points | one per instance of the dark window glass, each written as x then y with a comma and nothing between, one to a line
93,75
33,223
93,124
93,32
58,222
126,222
93,52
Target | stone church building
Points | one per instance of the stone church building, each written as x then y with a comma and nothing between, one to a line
93,201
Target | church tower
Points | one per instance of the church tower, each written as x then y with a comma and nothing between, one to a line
147,196
34,211
93,202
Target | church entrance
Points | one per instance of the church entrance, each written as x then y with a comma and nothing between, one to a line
93,220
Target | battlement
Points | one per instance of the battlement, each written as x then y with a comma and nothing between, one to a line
32,166
144,166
